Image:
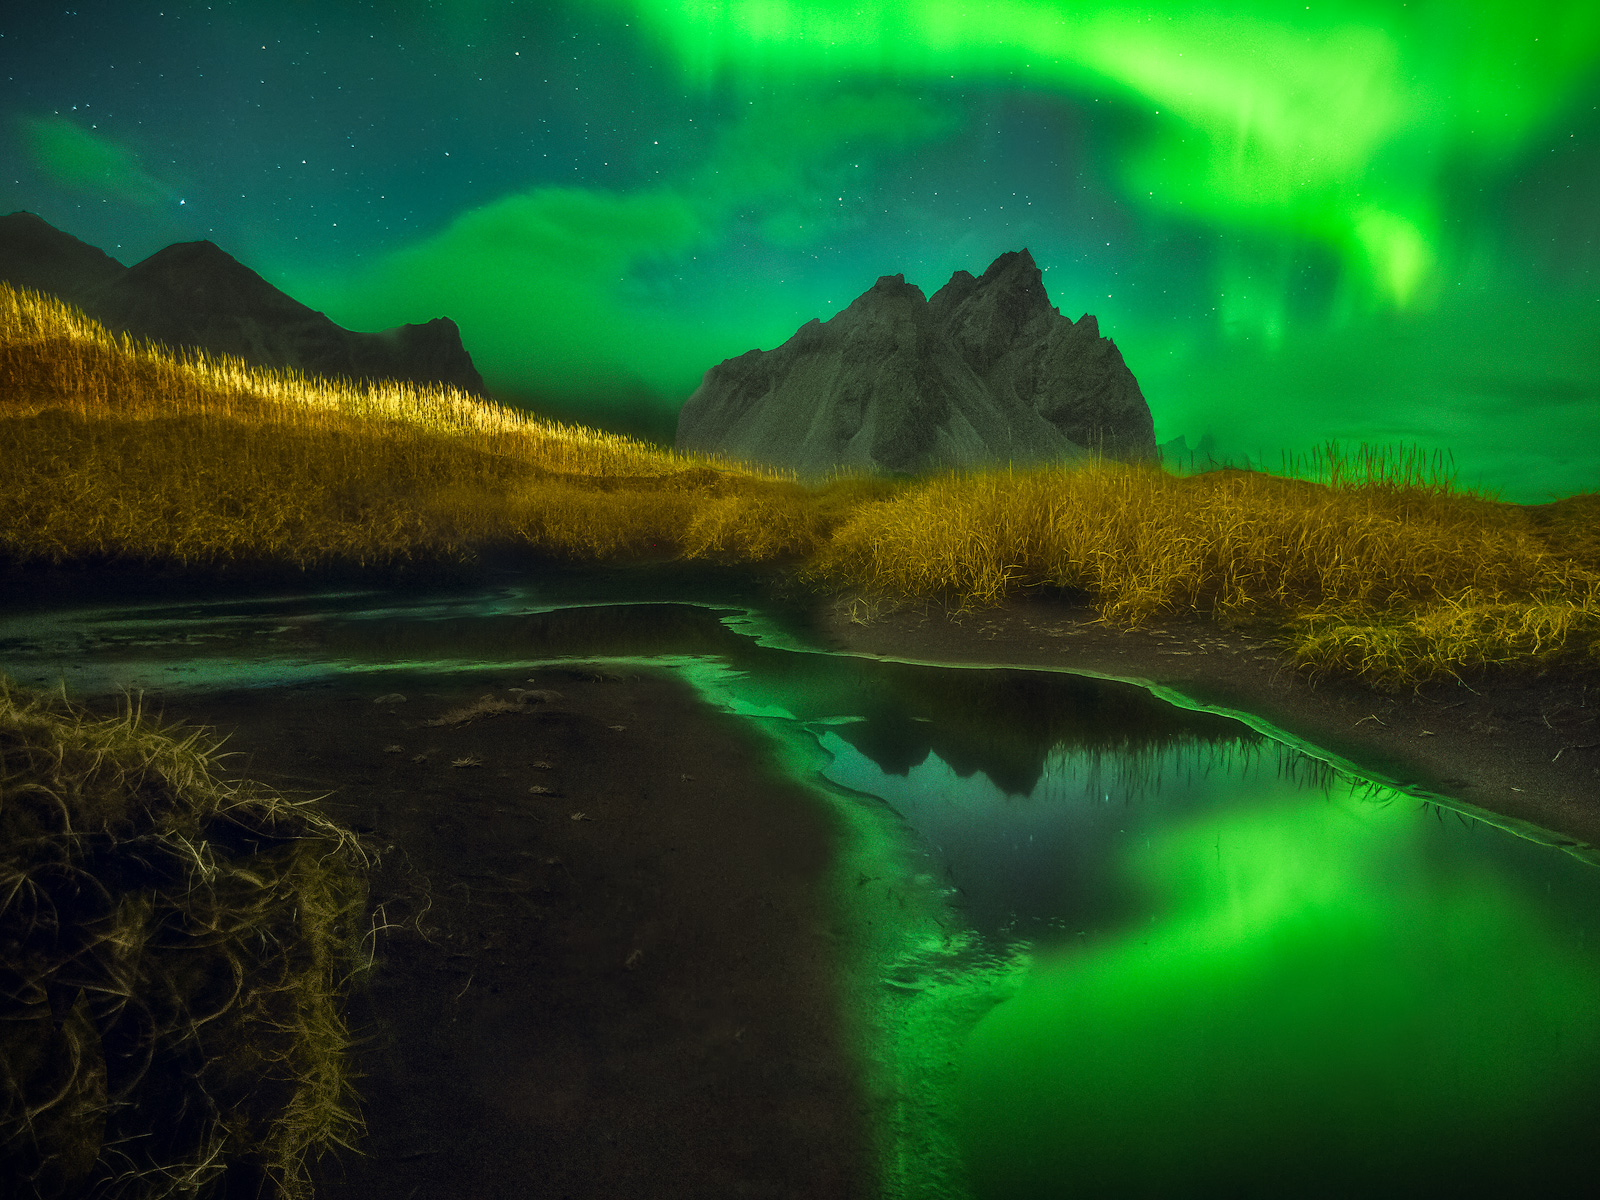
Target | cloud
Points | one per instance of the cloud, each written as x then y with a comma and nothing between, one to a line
530,278
554,288
86,161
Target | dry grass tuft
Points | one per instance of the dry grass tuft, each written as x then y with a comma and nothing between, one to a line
484,706
173,953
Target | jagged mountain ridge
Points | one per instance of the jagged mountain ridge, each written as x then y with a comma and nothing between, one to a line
196,295
987,371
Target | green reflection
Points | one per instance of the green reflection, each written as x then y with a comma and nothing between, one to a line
1275,986
1322,1005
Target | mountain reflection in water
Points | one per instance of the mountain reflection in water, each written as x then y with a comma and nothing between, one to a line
1116,947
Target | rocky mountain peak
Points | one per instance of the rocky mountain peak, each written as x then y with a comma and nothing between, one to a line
986,371
896,287
891,291
992,312
204,274
948,297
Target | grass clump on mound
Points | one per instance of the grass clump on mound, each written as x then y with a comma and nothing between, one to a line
173,954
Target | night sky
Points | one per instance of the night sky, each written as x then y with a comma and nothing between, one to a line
1366,221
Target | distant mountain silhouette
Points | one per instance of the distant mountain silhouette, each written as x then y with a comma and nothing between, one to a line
1182,458
194,294
35,254
985,372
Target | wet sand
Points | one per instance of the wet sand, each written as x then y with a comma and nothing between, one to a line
620,985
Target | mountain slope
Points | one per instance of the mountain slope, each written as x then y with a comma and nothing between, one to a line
987,371
196,295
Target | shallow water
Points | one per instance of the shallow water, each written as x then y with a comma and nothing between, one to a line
1102,945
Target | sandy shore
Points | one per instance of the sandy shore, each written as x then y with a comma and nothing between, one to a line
1524,744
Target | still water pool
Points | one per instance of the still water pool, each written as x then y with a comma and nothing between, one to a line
1098,944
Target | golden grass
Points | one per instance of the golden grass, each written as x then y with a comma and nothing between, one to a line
1385,574
176,952
124,450
1376,566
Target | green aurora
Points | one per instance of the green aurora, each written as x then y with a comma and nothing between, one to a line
1364,221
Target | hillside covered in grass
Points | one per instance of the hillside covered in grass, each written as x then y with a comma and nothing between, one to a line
1378,567
1384,571
126,451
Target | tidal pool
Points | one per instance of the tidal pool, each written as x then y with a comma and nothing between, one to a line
1095,943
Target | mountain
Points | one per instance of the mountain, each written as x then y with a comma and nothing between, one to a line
196,295
1183,459
985,372
35,254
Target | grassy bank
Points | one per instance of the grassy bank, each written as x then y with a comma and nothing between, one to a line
121,450
1382,574
1377,566
176,949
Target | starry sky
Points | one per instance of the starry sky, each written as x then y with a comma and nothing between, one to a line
1367,220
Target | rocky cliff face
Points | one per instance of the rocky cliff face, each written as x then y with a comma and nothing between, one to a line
987,371
193,294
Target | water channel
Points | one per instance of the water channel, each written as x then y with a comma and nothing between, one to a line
1109,944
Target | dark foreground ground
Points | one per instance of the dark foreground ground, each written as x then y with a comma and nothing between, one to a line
607,967
616,986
